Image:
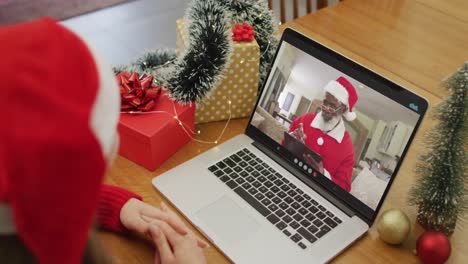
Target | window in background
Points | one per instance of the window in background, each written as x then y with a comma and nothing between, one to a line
288,102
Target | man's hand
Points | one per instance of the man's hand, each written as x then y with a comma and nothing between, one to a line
174,248
313,163
137,216
298,133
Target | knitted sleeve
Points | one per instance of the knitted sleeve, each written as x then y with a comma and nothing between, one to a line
110,202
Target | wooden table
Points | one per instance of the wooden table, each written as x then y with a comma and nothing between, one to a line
416,43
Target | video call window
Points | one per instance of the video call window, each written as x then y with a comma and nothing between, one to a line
351,134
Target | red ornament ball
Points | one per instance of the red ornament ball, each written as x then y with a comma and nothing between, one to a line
433,247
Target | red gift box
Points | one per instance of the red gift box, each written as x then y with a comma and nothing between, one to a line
151,138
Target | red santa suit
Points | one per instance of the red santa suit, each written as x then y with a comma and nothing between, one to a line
335,147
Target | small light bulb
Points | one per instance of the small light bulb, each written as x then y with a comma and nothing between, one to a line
180,123
216,142
229,102
198,131
175,117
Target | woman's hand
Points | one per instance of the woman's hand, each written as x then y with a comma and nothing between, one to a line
174,248
137,216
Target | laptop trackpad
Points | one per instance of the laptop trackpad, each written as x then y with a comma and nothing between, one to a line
227,220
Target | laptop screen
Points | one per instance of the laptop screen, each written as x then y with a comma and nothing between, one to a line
341,124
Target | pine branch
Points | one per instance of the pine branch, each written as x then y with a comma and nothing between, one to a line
441,191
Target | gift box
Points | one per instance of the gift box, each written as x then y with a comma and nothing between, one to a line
240,85
150,138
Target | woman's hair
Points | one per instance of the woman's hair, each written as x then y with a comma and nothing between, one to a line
13,251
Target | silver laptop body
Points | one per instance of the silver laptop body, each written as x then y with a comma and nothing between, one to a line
221,196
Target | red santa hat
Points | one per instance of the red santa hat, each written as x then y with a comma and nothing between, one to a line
345,92
61,107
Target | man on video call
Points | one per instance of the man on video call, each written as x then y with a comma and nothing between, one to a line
324,132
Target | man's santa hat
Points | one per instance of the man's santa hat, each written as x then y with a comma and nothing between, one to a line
61,107
345,92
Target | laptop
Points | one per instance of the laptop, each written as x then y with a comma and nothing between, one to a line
260,203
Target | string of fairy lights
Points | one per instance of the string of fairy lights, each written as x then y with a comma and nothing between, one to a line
185,127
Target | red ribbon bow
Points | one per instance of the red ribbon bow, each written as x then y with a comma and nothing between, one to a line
243,32
137,93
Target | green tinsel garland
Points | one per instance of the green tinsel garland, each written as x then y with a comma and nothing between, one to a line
196,71
148,62
191,76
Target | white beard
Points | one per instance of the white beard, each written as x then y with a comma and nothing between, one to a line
330,124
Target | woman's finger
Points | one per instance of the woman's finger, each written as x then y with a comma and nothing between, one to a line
171,235
200,242
157,257
137,224
165,253
164,207
151,212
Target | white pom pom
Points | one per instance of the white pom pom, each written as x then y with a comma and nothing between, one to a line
320,141
350,116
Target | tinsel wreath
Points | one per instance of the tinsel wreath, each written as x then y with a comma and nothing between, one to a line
191,76
148,62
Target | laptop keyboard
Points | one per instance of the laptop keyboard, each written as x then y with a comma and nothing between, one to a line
296,214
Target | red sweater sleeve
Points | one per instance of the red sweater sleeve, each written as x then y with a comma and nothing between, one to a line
110,202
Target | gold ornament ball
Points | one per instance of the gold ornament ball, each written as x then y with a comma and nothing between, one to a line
393,226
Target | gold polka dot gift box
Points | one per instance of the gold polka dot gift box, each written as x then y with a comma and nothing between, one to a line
239,85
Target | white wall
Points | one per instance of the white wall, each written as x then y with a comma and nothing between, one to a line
372,149
368,122
286,55
308,78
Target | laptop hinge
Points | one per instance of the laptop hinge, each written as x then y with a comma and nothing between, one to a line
315,186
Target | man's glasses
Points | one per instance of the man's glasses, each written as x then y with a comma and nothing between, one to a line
330,109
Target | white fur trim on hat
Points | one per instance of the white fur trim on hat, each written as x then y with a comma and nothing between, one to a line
338,91
350,116
106,109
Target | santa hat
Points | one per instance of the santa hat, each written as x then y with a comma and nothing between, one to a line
345,92
62,106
